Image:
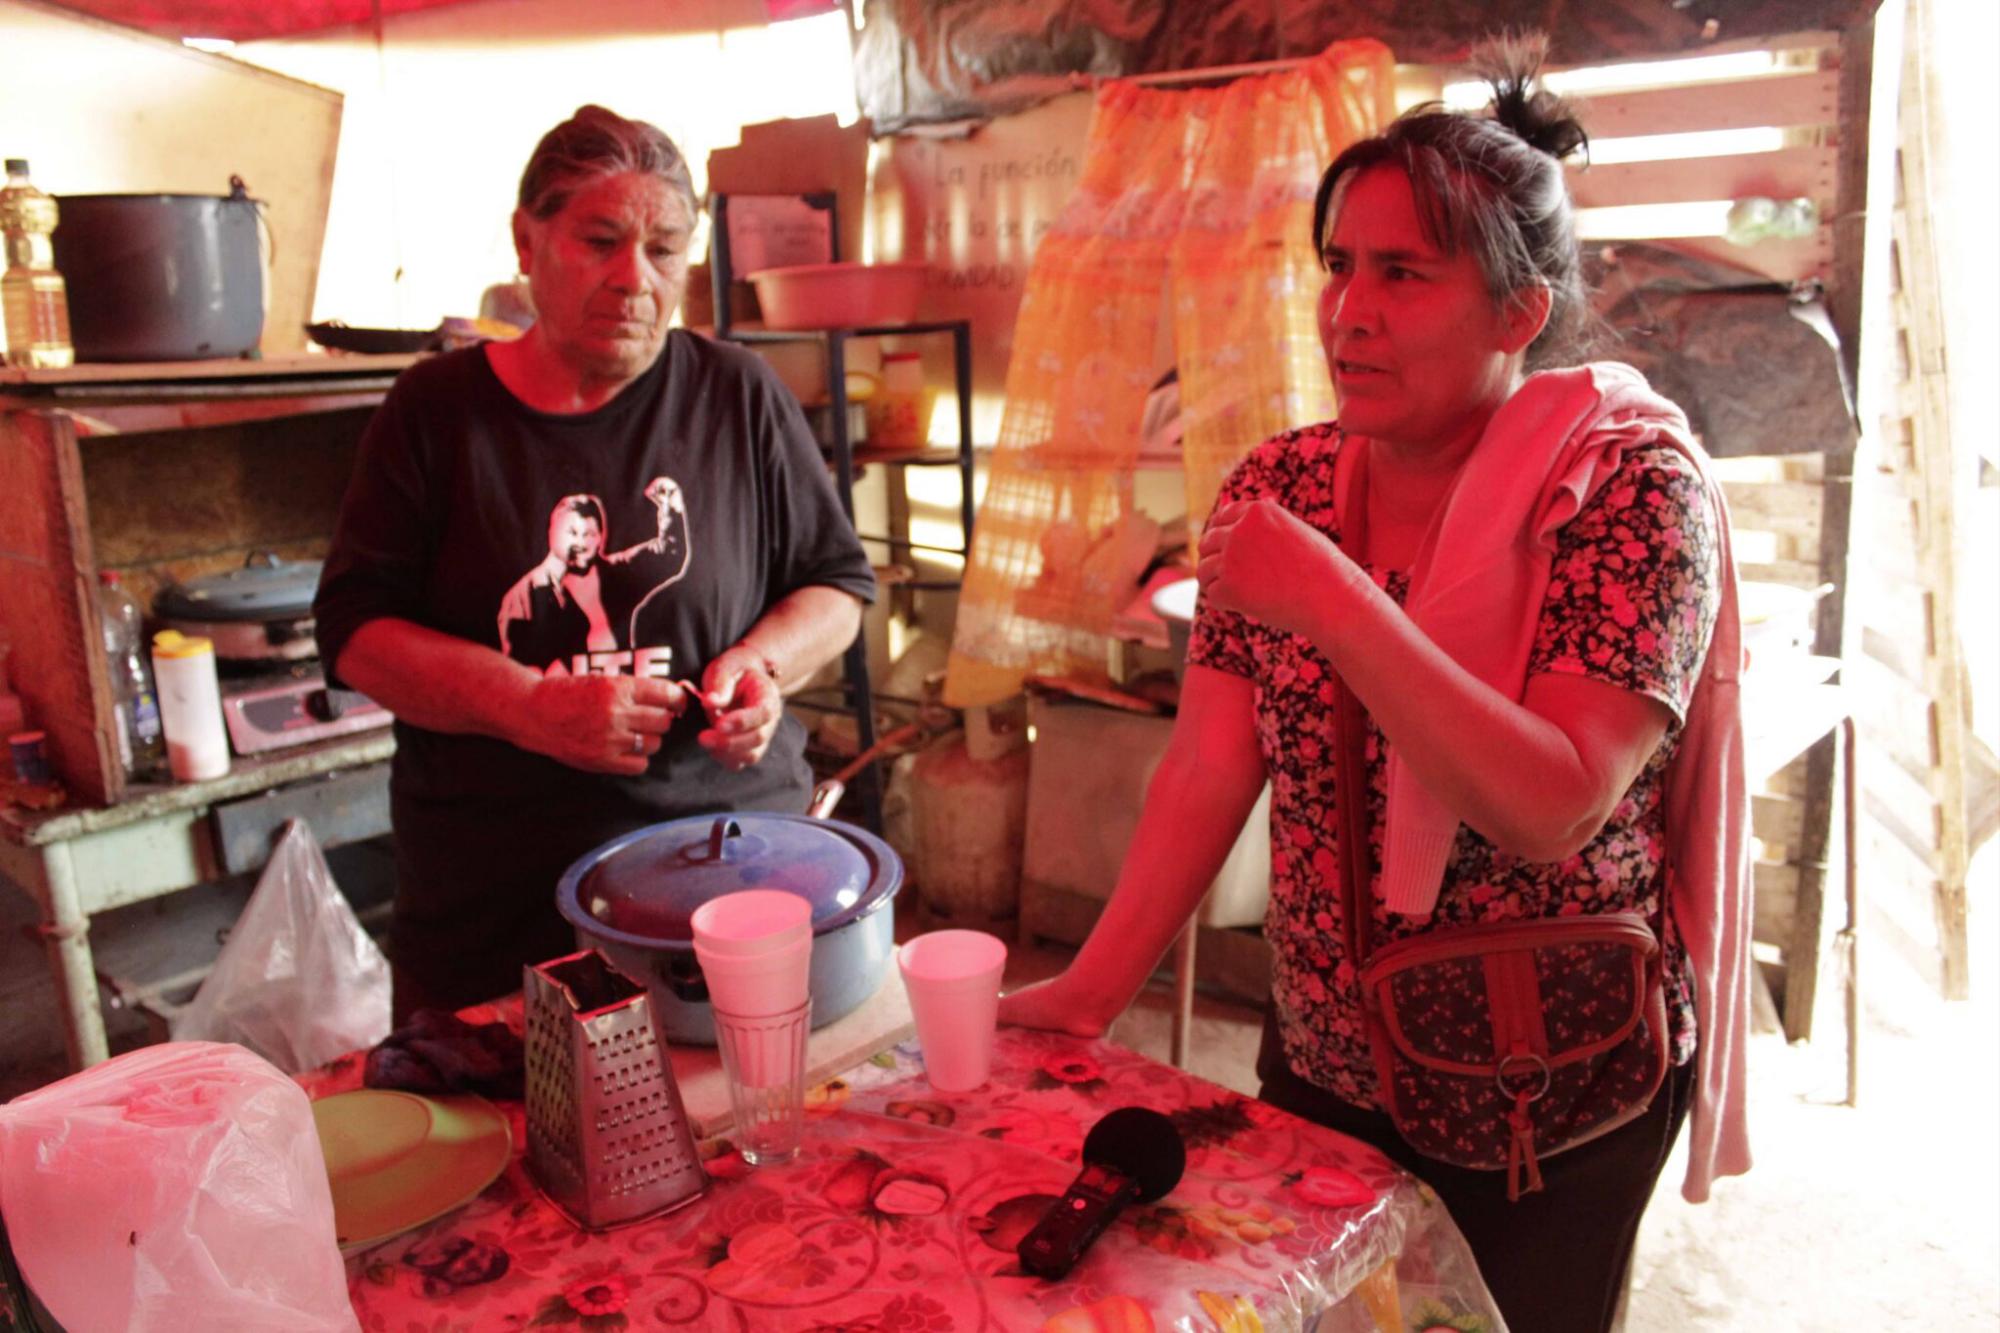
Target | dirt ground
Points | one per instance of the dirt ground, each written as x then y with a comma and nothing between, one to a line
1884,1215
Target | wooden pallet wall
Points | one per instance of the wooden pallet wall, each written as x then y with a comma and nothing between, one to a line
1803,101
1921,829
1795,101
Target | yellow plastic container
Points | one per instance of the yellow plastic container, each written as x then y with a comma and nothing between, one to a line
899,412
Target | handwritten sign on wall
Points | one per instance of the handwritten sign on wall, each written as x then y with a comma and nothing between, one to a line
974,208
778,231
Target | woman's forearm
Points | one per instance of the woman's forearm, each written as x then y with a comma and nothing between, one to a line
1201,793
436,681
1535,787
601,724
804,630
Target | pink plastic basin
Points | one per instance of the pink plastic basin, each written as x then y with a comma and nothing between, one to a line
839,296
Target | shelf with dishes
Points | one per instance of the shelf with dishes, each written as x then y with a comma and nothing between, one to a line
847,456
788,249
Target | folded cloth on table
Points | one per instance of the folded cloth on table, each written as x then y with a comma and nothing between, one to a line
437,1051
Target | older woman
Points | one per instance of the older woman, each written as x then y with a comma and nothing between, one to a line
1465,632
515,505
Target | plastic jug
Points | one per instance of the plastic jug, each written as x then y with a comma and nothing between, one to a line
190,706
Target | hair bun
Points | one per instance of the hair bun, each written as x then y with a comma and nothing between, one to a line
1512,65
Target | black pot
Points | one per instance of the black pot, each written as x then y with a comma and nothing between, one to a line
632,899
161,277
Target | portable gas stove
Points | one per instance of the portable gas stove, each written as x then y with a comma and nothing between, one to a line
277,708
259,617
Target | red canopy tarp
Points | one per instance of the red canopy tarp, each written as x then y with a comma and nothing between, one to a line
250,20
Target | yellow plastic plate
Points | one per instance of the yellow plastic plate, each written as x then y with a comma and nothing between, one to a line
396,1160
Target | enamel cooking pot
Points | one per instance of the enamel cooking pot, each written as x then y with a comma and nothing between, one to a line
259,614
161,277
633,897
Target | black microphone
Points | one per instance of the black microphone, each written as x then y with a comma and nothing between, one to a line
1132,1155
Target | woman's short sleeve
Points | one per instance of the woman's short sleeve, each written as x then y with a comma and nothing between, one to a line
1632,593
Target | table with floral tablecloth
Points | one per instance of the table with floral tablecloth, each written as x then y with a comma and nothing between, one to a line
903,1210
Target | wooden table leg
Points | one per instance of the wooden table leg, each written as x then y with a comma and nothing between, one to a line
1849,936
66,930
1183,996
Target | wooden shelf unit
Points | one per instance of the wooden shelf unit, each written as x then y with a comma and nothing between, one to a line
164,471
847,457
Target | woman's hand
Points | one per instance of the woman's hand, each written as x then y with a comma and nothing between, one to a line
744,708
1053,1006
601,724
1260,559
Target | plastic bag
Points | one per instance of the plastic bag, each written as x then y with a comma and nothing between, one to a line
299,981
180,1186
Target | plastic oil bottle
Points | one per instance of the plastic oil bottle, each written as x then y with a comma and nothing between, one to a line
34,306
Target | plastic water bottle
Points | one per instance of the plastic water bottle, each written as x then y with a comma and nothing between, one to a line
141,746
34,304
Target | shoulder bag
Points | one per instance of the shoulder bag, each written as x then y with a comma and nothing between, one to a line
1497,1045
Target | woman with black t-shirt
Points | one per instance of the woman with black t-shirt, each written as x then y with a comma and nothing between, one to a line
546,539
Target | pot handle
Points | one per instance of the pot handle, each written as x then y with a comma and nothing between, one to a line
683,977
826,796
240,193
718,837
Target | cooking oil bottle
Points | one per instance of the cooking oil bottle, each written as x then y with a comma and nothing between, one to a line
34,308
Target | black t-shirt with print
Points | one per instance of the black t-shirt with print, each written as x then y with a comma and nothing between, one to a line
644,537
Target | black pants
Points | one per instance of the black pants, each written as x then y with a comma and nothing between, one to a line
1556,1260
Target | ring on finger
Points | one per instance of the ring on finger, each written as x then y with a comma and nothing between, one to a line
638,743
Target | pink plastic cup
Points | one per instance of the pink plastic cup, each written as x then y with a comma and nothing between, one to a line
953,980
751,922
755,951
759,986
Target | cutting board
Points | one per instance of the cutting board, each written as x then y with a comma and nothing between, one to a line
881,1021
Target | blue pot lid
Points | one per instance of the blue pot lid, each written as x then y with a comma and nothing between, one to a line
643,888
265,588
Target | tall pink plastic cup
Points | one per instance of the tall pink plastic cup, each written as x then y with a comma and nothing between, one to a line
953,980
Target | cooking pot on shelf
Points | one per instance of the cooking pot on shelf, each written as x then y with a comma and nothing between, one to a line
261,613
161,277
633,897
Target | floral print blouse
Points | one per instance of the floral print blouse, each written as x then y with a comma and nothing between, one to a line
1631,601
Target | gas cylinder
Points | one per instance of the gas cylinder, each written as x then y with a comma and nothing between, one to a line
969,815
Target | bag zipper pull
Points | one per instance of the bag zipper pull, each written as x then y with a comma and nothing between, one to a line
1521,1152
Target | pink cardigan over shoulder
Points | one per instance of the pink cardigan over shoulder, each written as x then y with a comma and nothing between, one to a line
1477,592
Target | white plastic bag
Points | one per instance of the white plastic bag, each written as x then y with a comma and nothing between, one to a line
180,1186
299,981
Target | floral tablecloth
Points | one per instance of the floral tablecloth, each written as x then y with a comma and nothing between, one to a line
902,1213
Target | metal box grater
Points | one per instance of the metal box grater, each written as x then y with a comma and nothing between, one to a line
608,1140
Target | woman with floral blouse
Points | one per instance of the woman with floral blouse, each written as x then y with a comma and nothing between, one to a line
1545,731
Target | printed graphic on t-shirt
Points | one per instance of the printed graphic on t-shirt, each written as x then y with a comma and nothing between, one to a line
587,610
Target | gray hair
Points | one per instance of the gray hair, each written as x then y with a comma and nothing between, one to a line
596,142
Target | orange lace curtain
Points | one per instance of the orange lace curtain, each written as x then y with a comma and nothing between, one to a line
1194,206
